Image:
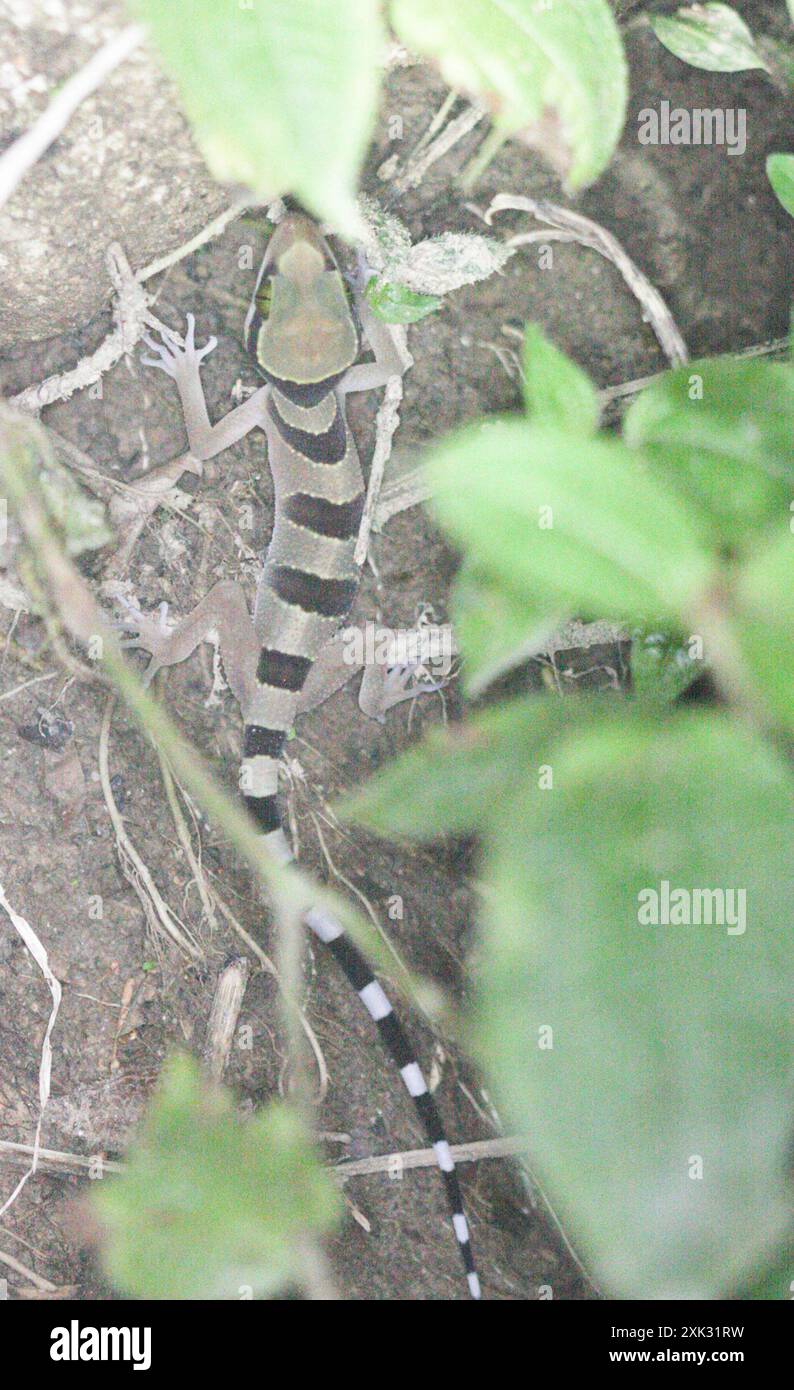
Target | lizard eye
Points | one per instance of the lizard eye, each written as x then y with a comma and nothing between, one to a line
264,297
258,312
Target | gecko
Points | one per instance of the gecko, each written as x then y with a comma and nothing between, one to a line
304,333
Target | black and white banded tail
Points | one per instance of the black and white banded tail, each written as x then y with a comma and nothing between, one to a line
395,1040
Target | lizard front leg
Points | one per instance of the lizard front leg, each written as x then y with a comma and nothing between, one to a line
182,362
222,618
391,358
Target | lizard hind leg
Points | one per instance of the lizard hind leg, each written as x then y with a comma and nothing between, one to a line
222,617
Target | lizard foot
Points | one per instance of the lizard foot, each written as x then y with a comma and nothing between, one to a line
407,682
150,633
383,687
175,358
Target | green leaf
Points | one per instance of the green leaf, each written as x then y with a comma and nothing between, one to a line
709,36
671,1043
765,624
661,665
440,264
555,73
497,628
780,172
779,60
556,390
573,525
81,517
281,96
455,780
722,431
398,304
209,1203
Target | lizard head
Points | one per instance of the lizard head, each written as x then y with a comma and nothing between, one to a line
300,329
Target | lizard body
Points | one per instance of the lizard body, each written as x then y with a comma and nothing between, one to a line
305,342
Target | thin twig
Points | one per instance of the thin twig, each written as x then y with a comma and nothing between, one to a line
388,418
416,168
20,157
55,1160
37,950
291,942
549,234
156,910
388,170
183,834
29,1274
212,902
212,229
589,233
437,123
399,494
462,1153
8,694
427,1158
616,399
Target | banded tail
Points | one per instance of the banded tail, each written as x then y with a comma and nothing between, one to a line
375,1001
373,997
394,1039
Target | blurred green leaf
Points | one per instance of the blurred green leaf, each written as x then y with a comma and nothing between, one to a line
576,525
456,779
765,624
780,172
556,390
81,517
661,665
281,96
497,628
556,73
710,36
671,1043
722,431
210,1203
398,304
779,61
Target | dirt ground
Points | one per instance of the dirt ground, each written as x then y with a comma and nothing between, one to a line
706,229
